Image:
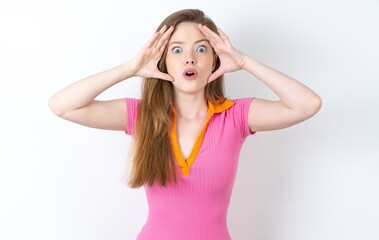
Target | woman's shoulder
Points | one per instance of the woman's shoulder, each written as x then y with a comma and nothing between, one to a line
240,103
241,100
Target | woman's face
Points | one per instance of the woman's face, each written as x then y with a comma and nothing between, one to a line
189,58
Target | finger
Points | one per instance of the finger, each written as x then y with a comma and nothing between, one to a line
165,76
210,39
163,29
152,40
163,46
205,32
224,36
164,37
214,36
215,75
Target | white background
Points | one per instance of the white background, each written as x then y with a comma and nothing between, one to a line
317,180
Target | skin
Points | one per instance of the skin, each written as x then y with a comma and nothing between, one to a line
296,102
188,48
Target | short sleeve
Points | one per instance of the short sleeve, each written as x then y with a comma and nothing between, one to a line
132,112
241,115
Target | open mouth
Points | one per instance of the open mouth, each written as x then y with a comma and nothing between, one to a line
190,74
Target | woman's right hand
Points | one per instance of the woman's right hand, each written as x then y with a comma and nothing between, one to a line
144,64
77,103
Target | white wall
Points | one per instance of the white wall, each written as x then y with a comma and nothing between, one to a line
316,180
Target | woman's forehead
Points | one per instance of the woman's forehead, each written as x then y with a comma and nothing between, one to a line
186,32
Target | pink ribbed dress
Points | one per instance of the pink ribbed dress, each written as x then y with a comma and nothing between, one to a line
195,208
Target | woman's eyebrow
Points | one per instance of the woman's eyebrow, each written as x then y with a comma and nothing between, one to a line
181,42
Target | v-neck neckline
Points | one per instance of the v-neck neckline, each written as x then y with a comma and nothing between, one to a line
185,164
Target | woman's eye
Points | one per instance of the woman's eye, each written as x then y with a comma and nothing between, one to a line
177,50
201,49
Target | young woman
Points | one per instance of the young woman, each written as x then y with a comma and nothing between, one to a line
187,135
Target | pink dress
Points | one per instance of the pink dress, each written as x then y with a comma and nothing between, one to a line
195,208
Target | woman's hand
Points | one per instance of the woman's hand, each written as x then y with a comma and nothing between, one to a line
231,59
144,64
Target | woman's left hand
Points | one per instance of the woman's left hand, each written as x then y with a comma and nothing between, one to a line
231,59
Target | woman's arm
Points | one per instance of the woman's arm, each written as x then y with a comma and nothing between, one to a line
77,102
297,102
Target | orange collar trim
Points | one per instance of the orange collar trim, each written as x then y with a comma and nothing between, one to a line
218,108
185,164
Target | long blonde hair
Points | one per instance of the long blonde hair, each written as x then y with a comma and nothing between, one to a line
153,160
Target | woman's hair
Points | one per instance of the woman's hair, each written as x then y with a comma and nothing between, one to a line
153,160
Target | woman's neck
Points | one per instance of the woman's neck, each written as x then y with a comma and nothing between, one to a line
191,106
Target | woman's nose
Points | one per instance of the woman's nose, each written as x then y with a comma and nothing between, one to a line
190,61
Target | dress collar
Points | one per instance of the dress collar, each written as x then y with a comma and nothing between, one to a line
185,164
219,107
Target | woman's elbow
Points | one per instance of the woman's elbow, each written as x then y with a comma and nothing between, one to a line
314,106
54,106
